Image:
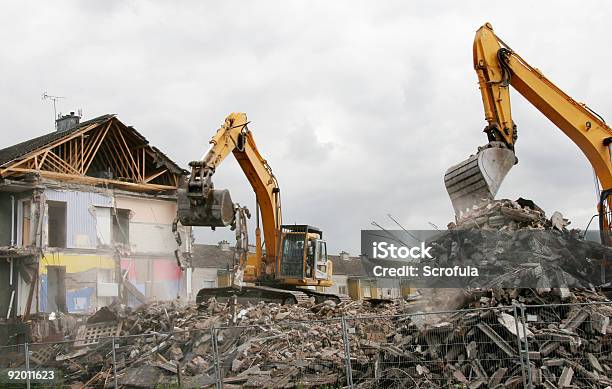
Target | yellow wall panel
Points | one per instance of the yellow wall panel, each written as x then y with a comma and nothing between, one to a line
76,263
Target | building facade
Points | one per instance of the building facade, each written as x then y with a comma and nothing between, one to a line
87,218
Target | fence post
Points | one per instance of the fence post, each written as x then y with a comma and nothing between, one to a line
114,364
529,378
347,354
27,363
215,347
518,343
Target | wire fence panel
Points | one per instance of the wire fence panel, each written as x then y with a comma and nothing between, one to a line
11,356
180,359
467,348
554,345
570,345
283,354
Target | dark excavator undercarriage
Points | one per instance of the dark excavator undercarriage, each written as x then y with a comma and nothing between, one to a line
255,294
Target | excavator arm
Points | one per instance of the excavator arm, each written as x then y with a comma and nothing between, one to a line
202,205
295,255
498,67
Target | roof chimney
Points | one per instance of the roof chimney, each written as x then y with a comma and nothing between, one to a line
344,256
224,245
66,122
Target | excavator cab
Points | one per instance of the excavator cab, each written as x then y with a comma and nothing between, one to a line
303,256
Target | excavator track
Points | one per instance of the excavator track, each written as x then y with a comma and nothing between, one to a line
252,294
255,294
321,297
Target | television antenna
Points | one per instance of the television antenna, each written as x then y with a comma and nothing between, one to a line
47,96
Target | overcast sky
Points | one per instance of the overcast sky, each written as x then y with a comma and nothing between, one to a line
359,107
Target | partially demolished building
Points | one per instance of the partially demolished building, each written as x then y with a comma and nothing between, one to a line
86,216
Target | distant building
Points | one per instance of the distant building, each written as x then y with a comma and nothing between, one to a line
351,277
86,217
211,265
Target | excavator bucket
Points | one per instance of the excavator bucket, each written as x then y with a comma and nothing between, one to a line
478,177
216,211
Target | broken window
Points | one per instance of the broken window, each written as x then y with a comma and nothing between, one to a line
121,226
342,289
25,223
56,289
367,293
56,230
103,225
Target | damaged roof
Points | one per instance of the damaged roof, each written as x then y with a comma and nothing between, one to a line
211,255
13,152
117,153
21,150
353,266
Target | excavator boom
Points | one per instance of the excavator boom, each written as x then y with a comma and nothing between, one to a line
498,67
202,205
294,256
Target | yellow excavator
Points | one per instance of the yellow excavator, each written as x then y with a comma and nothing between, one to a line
292,261
499,67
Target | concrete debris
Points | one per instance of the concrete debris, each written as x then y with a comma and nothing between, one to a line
517,246
565,349
566,377
515,328
391,344
506,215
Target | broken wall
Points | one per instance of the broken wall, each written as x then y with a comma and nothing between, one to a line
85,265
152,266
81,223
155,278
83,273
150,224
4,280
146,250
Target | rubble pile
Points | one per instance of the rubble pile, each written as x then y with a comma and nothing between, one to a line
513,244
568,346
507,214
258,344
396,344
275,351
476,343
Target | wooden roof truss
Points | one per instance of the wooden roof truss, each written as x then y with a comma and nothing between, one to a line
106,153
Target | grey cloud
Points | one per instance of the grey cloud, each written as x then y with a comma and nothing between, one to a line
383,93
303,145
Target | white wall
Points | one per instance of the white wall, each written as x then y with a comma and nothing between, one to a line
152,238
201,278
150,224
103,225
337,279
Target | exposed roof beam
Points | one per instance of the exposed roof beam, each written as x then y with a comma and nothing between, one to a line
90,180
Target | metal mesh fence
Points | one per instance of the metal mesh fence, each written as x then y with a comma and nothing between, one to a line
562,345
569,345
450,349
283,354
